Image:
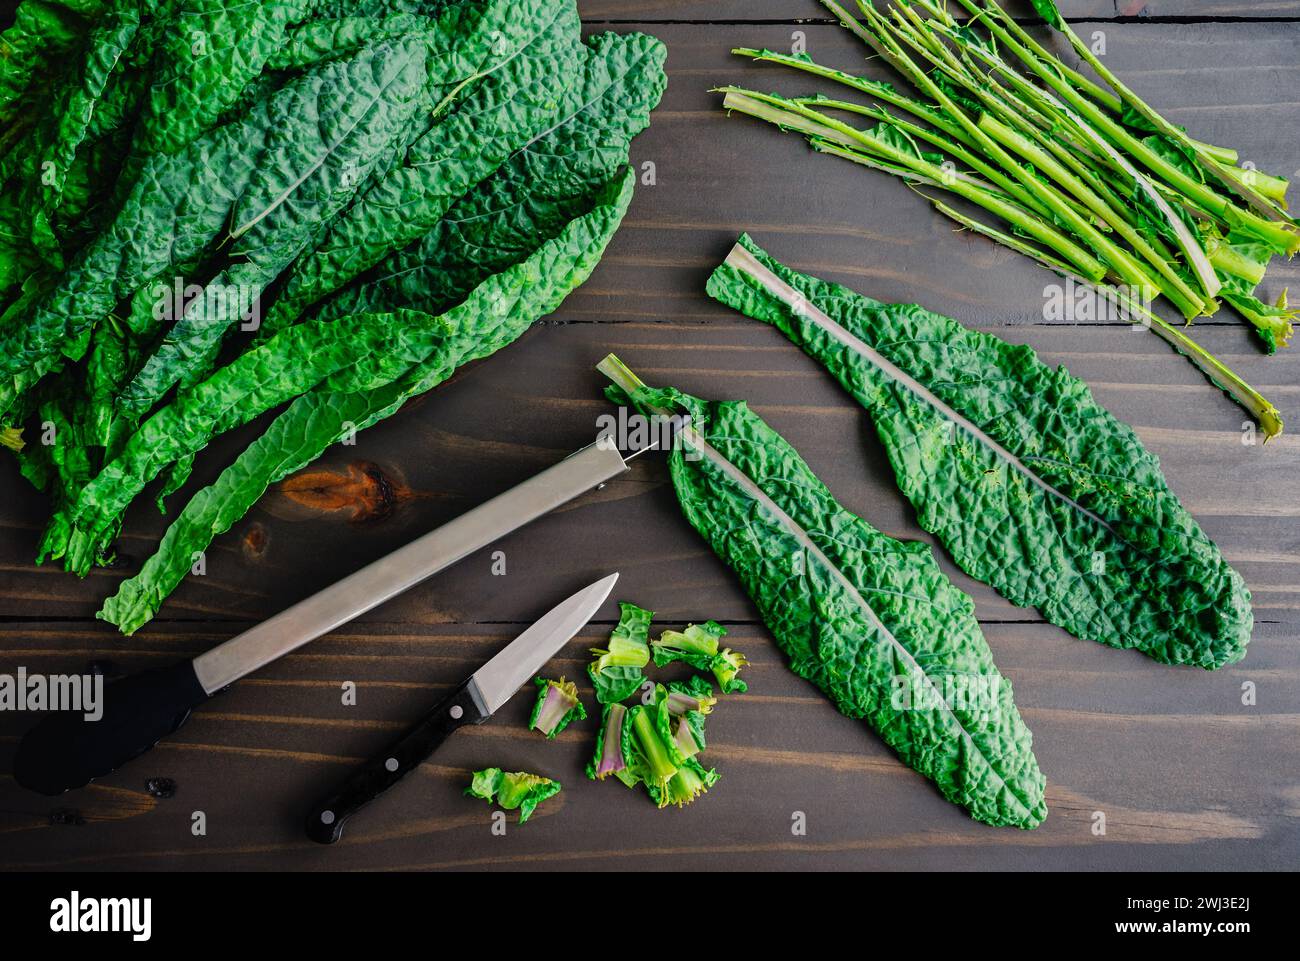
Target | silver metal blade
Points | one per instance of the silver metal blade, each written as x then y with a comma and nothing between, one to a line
501,677
407,566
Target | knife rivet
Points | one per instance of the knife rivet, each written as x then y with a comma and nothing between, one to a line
391,764
457,711
326,817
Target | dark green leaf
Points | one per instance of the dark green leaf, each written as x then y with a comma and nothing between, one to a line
870,620
494,314
1032,486
532,58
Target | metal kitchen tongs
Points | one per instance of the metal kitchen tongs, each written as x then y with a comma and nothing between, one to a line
65,751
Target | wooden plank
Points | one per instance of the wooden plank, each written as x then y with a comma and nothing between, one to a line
1114,733
789,10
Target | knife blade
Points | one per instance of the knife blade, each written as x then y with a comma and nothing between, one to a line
65,751
473,702
499,679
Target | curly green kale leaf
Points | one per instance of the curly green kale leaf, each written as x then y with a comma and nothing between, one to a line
858,613
518,790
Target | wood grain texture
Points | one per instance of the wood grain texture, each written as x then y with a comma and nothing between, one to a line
1170,758
1187,777
787,10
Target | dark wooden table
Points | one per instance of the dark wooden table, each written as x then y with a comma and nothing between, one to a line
1187,777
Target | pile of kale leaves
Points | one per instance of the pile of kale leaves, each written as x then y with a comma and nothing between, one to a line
213,209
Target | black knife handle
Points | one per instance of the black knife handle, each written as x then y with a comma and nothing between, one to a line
66,751
326,818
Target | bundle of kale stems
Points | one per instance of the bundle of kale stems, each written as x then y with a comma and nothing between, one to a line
1088,180
215,209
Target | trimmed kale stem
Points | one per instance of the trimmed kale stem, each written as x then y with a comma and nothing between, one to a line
1208,164
1081,83
1274,188
1189,303
1188,243
1219,374
788,114
875,88
1118,259
1049,73
1084,85
992,173
1053,161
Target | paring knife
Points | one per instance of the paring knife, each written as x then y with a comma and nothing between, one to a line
65,751
473,702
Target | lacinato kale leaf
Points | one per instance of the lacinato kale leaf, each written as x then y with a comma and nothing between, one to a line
203,55
332,135
40,35
496,312
535,192
399,187
1031,485
870,620
184,203
526,65
315,161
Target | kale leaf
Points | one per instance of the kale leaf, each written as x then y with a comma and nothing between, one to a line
870,620
1031,485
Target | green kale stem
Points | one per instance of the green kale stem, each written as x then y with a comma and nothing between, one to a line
622,652
993,174
1048,71
683,787
883,42
875,88
695,642
1050,162
1187,242
1225,258
794,116
1081,83
1274,188
1189,303
652,748
1128,269
1209,164
726,667
1219,374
